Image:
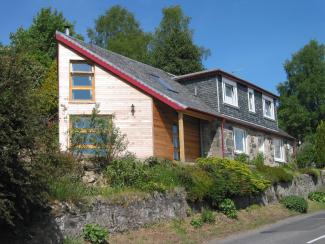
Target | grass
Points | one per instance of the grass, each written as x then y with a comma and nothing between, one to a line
181,231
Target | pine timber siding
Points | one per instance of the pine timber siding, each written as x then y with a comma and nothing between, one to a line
114,97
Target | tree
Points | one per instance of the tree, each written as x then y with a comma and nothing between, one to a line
173,49
320,144
38,41
118,30
21,191
302,96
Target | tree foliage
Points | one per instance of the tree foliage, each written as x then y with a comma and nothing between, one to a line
21,191
173,49
320,144
302,96
118,30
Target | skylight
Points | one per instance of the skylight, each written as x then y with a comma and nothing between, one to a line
163,83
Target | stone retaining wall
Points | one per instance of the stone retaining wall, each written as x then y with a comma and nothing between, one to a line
121,217
302,185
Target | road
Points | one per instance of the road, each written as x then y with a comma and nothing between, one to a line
304,229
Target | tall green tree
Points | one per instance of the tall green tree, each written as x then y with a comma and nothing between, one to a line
118,30
302,96
21,191
173,49
38,41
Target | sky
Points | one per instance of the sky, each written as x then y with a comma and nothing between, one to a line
250,38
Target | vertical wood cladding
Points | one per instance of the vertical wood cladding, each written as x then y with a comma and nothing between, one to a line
163,119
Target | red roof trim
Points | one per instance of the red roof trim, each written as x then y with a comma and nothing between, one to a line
117,72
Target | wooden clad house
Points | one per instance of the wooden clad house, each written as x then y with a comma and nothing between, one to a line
161,114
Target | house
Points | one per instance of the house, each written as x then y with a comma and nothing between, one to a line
174,117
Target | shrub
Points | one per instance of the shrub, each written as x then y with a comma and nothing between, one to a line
196,222
95,234
320,145
208,216
153,161
296,203
242,157
317,196
125,171
228,207
196,181
306,153
275,174
258,160
231,178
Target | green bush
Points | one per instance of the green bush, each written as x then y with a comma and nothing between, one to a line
242,157
320,145
228,207
125,171
196,181
208,216
258,160
275,174
296,203
231,178
306,153
196,222
95,234
317,196
152,161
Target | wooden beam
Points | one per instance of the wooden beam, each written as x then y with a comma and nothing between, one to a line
181,136
199,115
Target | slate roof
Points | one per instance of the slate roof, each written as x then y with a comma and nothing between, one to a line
154,78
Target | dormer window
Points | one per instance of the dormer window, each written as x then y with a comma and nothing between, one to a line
229,90
251,100
82,87
268,107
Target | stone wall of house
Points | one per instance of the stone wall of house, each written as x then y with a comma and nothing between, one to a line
302,185
211,135
117,217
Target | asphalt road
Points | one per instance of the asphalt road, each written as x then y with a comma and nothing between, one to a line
306,229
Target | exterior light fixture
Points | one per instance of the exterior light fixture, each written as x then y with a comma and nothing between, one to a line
132,109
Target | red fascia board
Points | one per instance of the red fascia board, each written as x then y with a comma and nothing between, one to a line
117,72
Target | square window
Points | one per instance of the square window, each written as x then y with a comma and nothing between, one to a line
229,90
240,140
278,150
268,107
81,94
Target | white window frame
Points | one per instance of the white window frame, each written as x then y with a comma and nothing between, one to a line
244,140
251,91
282,151
266,98
261,147
234,101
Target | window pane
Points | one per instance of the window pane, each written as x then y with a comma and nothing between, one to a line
267,108
79,80
277,149
250,102
81,67
229,90
81,122
239,140
82,94
90,151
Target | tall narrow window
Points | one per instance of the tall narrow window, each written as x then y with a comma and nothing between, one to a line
251,100
175,142
81,81
261,144
229,90
240,140
268,107
278,150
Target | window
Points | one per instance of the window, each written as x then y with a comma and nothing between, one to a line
251,100
86,134
240,140
261,144
81,81
268,107
176,142
278,150
229,90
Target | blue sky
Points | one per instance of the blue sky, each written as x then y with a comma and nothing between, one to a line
251,38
